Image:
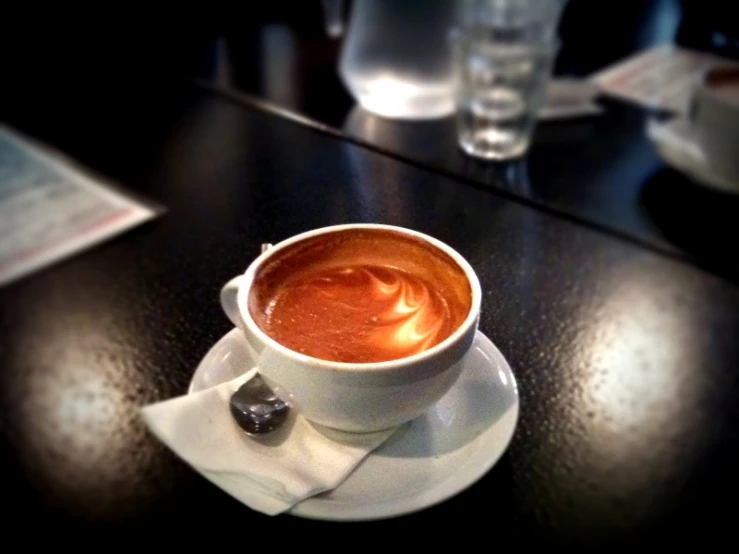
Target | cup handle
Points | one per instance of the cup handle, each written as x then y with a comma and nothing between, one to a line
229,293
230,306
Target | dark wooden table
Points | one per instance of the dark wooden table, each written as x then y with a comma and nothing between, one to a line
626,356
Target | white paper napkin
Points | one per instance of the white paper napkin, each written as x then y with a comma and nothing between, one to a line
269,474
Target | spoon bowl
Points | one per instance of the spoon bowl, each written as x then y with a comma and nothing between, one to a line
256,408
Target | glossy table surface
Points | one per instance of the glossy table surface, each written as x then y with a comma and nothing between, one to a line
626,358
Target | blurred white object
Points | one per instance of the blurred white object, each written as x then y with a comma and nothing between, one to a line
677,143
704,142
51,208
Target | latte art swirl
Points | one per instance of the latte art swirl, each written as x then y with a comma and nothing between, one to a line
405,314
367,313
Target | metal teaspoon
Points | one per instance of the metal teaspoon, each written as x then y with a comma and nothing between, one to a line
256,408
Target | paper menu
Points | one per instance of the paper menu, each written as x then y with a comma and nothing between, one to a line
661,77
50,209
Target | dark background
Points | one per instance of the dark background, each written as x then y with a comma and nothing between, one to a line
53,41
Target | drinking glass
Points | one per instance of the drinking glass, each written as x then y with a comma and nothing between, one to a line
511,21
500,88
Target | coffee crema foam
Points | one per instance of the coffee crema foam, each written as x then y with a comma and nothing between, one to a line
360,295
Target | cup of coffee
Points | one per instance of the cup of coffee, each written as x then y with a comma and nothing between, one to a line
714,116
359,327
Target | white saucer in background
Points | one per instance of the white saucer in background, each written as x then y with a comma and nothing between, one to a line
427,461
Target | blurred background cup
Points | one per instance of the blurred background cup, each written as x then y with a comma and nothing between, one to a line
714,117
504,51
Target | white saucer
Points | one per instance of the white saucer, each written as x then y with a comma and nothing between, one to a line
429,460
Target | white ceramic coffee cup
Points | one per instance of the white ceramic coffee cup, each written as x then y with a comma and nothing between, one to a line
715,121
355,397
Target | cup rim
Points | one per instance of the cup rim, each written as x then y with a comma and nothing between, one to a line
387,365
